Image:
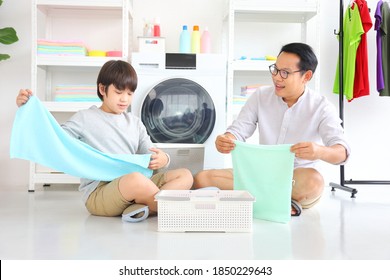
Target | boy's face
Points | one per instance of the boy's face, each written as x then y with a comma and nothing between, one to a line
115,101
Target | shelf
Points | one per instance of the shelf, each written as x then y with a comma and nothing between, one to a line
53,106
92,5
256,28
275,11
87,21
87,61
90,21
73,4
251,65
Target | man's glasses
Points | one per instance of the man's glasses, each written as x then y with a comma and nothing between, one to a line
283,73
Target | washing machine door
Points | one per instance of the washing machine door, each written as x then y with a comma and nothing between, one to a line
178,110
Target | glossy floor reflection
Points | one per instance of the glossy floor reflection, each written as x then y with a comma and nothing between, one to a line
52,223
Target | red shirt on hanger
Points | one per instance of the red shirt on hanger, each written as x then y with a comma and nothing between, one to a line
361,85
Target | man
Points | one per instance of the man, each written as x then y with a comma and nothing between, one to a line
288,113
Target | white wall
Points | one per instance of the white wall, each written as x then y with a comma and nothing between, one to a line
14,74
365,118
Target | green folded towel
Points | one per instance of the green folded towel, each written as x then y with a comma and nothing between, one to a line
266,171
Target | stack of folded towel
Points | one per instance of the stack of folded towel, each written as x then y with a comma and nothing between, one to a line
246,91
239,99
76,93
52,47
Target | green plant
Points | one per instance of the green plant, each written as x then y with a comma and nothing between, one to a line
7,36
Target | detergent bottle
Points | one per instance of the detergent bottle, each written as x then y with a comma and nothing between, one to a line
195,40
156,27
185,40
205,41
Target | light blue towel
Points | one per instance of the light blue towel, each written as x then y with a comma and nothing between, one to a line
266,171
37,136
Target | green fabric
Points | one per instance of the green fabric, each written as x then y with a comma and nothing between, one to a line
353,30
266,171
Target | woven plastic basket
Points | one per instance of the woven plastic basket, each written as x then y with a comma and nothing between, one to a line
205,210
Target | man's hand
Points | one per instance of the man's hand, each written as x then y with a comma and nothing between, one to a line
307,150
335,154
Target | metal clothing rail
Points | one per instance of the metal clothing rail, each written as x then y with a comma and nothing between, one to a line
342,185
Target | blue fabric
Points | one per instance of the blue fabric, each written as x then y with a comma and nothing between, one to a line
37,136
266,171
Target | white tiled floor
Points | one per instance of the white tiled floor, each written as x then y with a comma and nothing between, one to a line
52,223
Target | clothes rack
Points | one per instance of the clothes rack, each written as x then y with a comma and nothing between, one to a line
343,182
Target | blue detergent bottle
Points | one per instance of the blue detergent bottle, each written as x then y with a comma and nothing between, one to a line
185,40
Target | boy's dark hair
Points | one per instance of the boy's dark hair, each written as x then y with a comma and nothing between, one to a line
118,73
308,60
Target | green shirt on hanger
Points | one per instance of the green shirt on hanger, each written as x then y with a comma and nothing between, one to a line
353,30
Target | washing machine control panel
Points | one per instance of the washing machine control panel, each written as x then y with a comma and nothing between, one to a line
180,61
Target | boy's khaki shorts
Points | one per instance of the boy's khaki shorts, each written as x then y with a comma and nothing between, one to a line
106,199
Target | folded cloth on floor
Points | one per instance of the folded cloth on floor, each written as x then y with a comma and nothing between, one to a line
266,171
37,136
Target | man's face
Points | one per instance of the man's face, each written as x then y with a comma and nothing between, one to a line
294,84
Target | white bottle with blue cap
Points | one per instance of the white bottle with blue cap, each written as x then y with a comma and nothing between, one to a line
185,40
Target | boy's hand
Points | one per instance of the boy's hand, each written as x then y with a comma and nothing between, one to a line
23,96
158,159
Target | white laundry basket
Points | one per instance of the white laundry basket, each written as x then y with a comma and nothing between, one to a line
205,210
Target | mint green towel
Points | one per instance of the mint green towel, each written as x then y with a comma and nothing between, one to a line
266,171
37,136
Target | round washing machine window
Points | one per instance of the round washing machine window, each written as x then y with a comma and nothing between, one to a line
178,110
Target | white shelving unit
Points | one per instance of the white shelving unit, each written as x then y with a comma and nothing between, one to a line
256,29
102,25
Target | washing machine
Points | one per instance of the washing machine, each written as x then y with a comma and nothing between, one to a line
181,99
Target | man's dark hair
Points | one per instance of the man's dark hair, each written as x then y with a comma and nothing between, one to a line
118,73
308,60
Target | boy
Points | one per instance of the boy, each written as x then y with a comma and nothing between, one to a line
111,129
